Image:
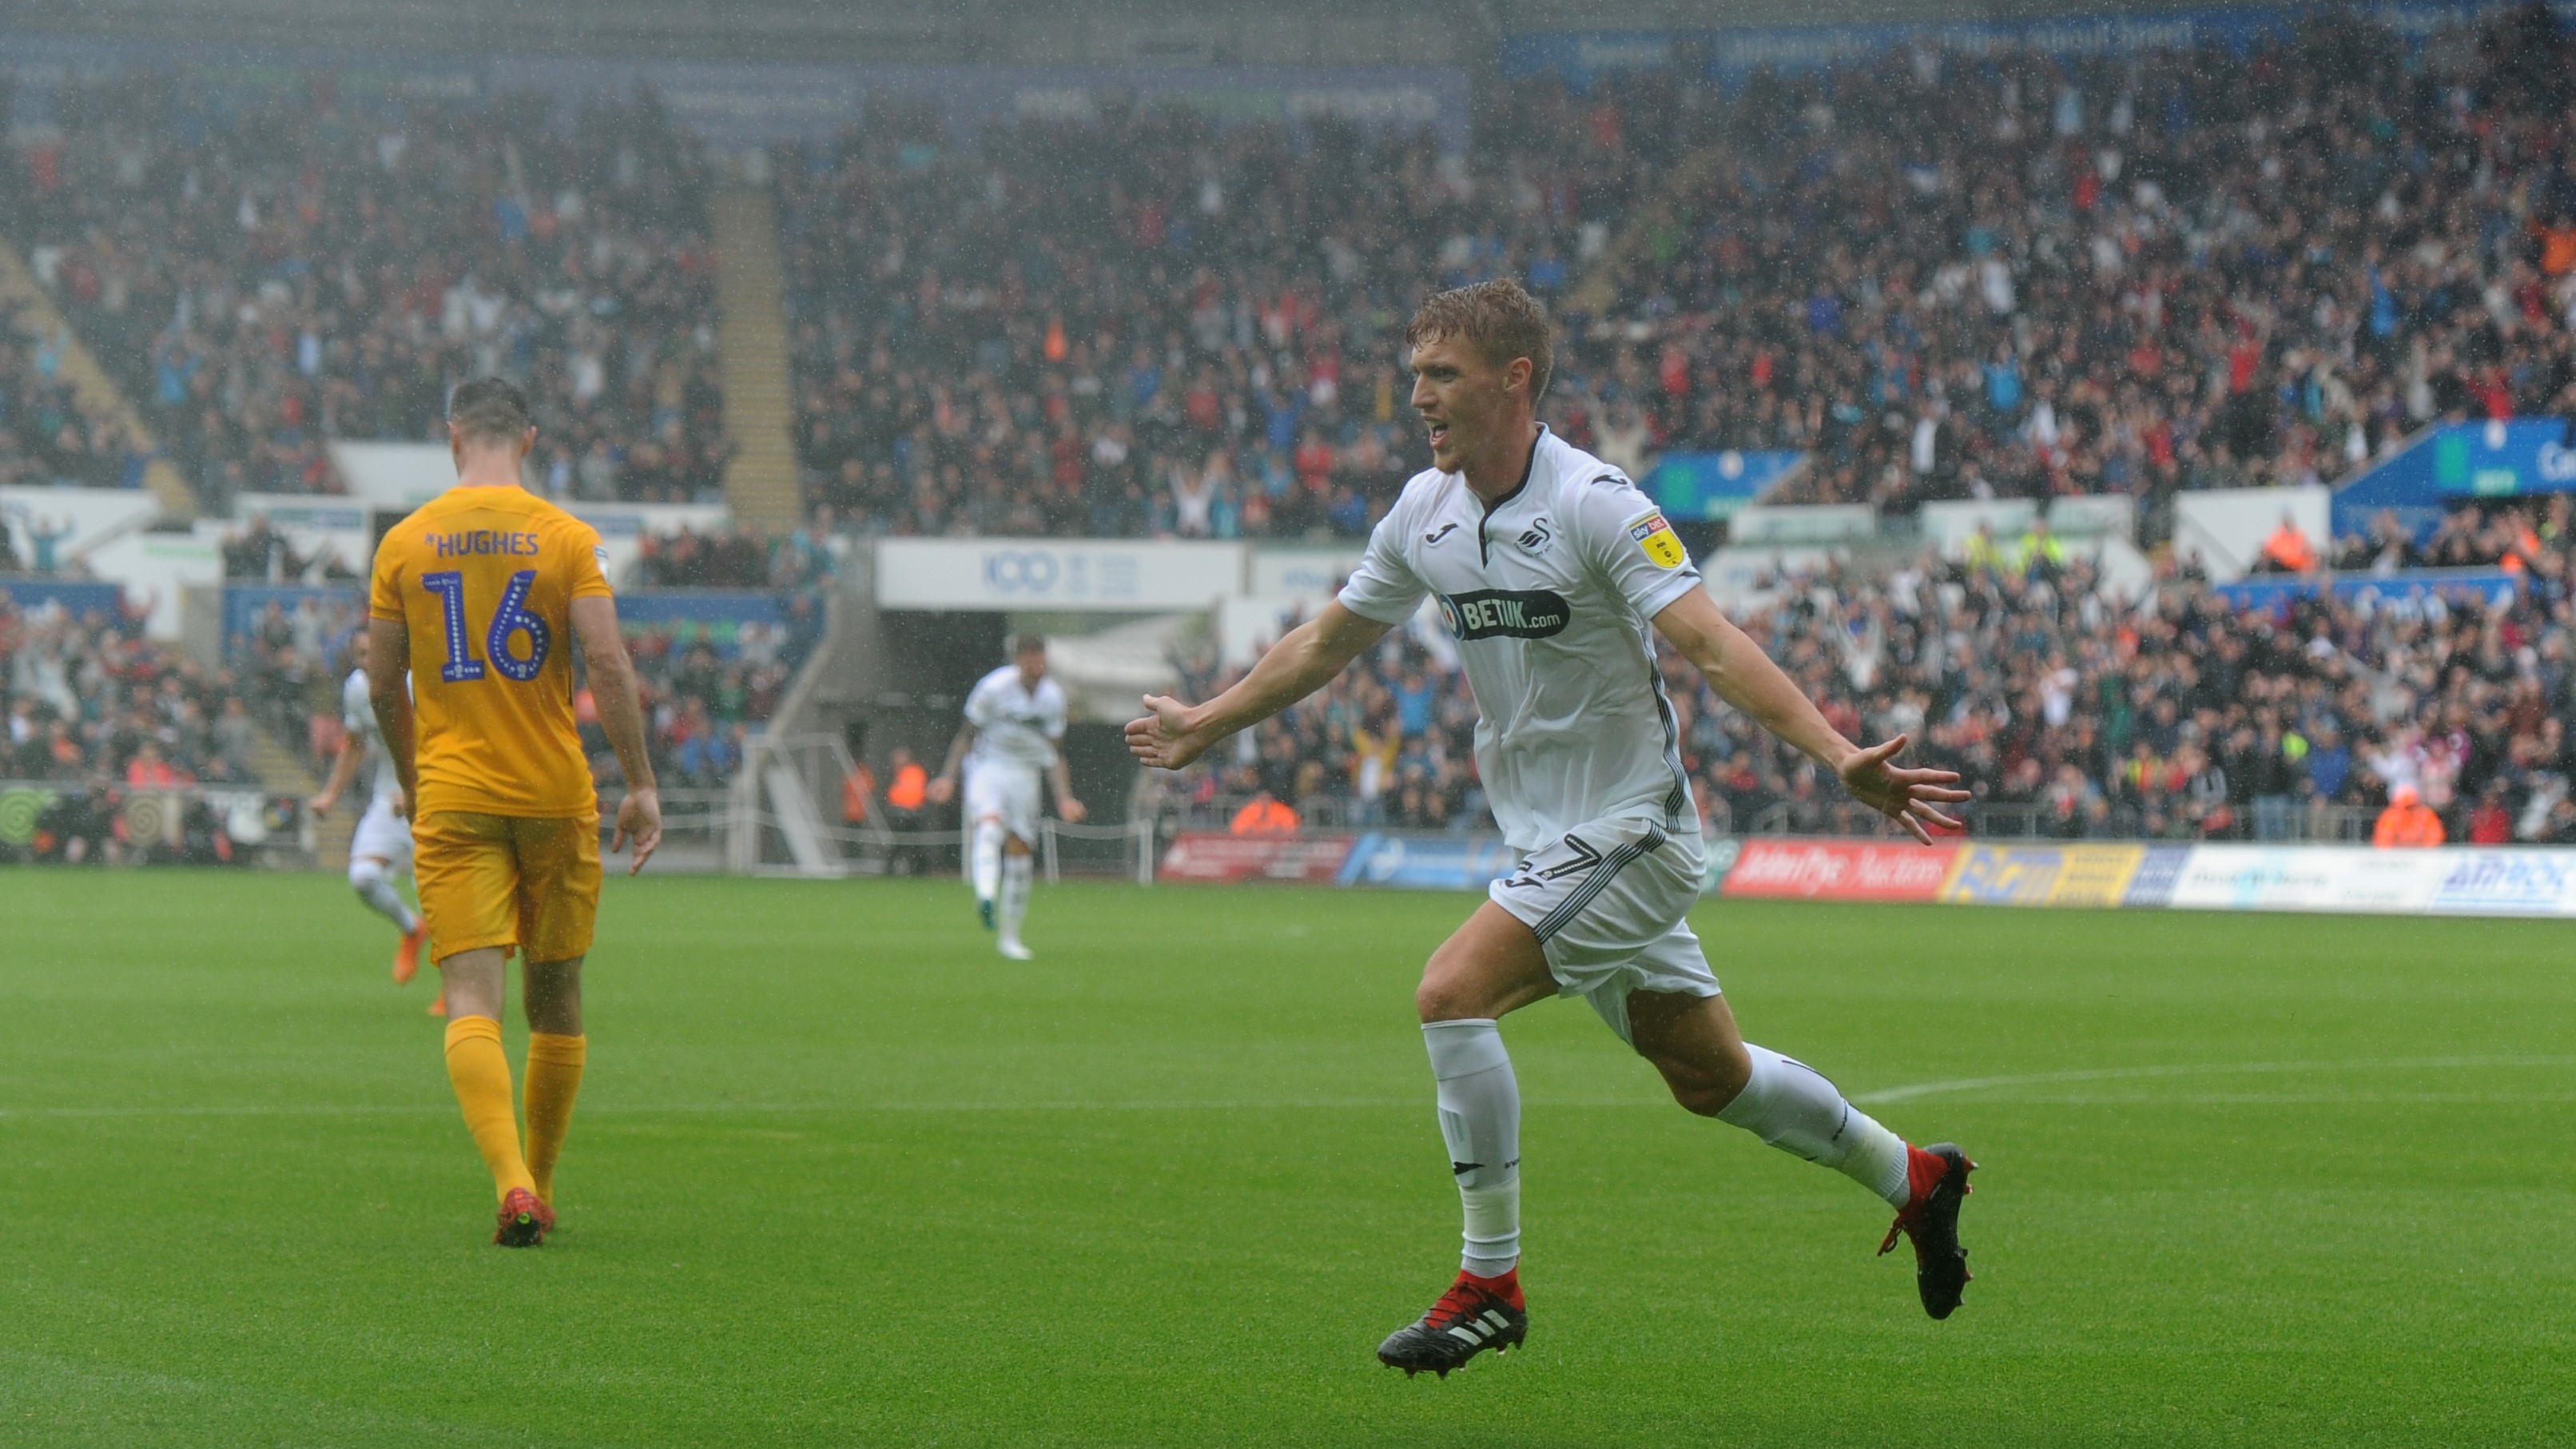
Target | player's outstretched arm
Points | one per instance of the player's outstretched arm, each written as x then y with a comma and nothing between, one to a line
389,695
1172,733
621,718
344,768
944,784
1746,678
1061,774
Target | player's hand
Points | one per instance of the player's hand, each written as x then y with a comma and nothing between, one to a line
639,823
321,804
1071,809
401,804
1164,738
941,790
1911,798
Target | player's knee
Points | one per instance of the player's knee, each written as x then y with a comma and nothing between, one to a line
366,874
1700,1099
1442,996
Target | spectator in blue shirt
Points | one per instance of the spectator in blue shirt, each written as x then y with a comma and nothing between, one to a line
2329,763
1414,699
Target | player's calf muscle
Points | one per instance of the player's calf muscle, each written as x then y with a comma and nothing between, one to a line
1692,1042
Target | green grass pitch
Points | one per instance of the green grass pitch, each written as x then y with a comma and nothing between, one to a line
843,1177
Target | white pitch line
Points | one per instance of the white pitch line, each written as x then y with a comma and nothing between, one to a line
2195,1069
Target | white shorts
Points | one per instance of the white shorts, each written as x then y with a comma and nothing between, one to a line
384,835
1007,793
1610,901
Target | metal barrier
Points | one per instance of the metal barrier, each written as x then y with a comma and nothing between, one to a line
118,824
873,850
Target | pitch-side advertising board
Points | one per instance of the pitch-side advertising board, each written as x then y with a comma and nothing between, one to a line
2508,881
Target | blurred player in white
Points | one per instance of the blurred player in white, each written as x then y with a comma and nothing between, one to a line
1555,574
1015,727
380,853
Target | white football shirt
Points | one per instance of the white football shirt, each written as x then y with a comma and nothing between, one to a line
1549,594
1015,726
360,716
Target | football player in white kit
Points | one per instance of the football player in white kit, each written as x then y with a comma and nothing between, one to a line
1555,573
1015,724
380,852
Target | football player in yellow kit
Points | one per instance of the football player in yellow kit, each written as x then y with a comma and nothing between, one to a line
477,597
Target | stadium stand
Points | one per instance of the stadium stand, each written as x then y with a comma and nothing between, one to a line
2181,270
46,435
298,271
2030,277
1934,278
1144,325
107,731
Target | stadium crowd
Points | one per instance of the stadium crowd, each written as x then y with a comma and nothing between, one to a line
2017,276
306,268
740,558
99,719
1138,323
2175,270
1939,276
47,437
2069,710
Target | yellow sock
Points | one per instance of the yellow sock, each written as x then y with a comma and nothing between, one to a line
481,1073
554,1080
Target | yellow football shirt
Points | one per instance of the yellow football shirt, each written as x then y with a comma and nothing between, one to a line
483,580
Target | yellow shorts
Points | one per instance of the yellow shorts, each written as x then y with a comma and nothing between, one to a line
499,880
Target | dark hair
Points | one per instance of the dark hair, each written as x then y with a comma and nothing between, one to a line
1497,318
1028,644
491,408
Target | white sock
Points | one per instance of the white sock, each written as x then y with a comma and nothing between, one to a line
985,861
1791,1106
1015,895
1480,1120
372,886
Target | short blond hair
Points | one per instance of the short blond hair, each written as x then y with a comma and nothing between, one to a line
1498,318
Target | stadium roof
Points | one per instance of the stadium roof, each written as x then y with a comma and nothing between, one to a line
1324,32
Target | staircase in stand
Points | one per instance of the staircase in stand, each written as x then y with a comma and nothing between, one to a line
751,338
282,772
97,392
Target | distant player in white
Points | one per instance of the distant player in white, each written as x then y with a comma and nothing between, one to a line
380,852
1555,573
1015,724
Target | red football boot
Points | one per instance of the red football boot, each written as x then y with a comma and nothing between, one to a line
525,1220
1474,1315
1936,1178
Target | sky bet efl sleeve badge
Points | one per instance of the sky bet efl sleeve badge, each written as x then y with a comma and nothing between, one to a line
1656,537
